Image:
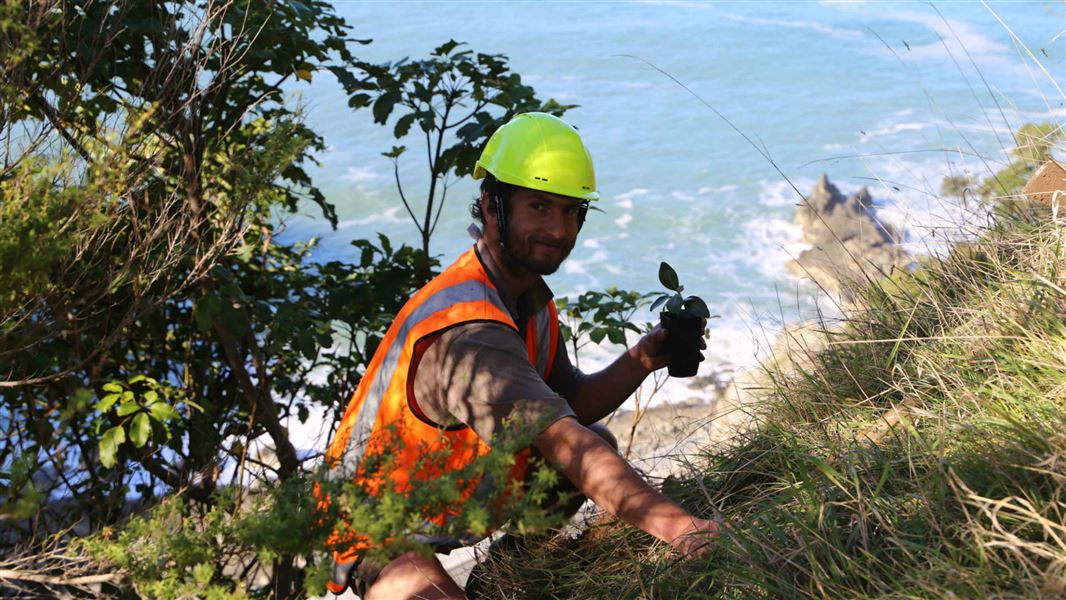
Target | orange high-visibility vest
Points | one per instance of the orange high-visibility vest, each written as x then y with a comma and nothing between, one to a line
383,417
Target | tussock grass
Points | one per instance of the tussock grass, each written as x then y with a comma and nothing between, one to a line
919,453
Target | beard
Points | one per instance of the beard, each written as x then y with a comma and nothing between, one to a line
535,256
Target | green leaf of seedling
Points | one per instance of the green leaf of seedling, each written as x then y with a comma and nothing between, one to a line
151,396
303,74
668,277
617,336
140,429
695,305
107,402
659,301
113,387
674,304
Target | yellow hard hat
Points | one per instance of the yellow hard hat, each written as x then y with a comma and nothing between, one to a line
542,152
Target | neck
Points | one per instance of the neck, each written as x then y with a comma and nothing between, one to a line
517,278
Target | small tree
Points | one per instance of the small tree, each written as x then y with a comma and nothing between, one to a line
458,99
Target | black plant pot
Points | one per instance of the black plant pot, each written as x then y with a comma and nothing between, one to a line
682,343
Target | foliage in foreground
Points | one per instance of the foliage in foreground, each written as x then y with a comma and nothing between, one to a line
918,453
181,549
156,336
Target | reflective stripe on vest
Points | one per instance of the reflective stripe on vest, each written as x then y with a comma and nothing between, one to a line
384,372
378,415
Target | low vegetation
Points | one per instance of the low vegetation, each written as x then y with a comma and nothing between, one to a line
916,452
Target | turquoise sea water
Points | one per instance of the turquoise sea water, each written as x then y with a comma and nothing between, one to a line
892,95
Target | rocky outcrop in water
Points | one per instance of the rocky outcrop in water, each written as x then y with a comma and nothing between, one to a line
849,245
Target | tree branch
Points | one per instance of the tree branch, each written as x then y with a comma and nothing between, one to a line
264,407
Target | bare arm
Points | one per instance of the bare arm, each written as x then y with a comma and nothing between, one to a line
600,393
605,477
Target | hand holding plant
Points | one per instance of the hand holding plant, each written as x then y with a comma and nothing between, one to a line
684,320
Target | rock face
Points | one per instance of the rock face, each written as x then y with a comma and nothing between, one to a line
849,245
1047,184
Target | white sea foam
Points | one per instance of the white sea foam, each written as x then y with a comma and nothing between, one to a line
716,190
682,196
837,32
580,267
780,193
957,38
389,215
358,175
770,243
625,199
892,130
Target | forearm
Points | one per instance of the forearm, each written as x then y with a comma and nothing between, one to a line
606,478
600,393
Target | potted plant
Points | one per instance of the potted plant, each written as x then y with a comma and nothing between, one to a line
683,319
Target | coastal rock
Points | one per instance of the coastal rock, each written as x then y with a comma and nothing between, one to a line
850,246
1047,183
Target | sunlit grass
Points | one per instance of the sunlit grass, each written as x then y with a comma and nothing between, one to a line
920,454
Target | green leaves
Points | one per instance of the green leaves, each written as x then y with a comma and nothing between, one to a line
384,104
668,277
694,305
138,406
595,316
675,303
140,429
109,444
457,97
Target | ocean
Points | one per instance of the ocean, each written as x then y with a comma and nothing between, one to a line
889,95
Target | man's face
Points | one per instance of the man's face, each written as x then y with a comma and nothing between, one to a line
541,229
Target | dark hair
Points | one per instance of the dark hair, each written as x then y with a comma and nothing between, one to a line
496,190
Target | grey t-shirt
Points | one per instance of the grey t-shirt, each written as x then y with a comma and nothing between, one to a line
479,374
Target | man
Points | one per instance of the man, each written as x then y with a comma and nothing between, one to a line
480,344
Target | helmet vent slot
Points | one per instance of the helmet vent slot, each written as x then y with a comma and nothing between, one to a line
544,179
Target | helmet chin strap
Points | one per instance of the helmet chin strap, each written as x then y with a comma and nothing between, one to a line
582,212
501,219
